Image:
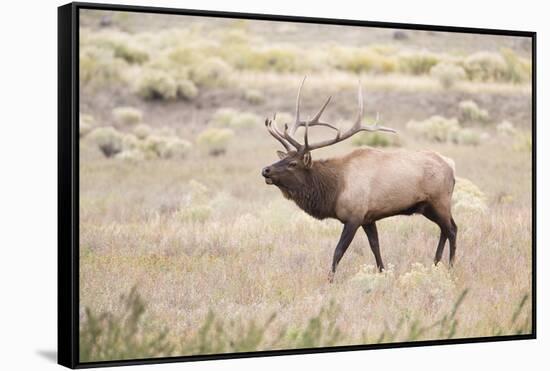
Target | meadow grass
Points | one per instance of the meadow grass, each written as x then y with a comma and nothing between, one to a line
183,247
206,235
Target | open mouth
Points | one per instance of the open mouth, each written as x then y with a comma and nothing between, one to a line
268,181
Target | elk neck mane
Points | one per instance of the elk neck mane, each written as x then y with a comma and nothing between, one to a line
318,195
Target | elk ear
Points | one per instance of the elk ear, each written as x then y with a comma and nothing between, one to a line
282,155
307,160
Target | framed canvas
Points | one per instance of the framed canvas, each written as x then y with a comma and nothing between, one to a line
244,185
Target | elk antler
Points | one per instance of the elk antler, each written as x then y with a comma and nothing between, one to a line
286,138
313,122
274,131
356,128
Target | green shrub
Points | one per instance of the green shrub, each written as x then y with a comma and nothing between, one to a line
468,197
184,56
231,118
523,142
129,141
369,278
506,128
253,96
164,62
224,116
156,84
85,125
277,58
127,115
215,140
375,140
470,111
108,139
467,136
235,37
245,120
187,89
132,155
360,60
435,128
518,69
222,336
131,53
166,146
485,66
441,129
121,44
418,63
175,148
154,144
211,72
434,281
320,331
142,131
99,68
126,334
447,74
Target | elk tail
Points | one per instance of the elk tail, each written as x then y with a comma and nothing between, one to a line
451,163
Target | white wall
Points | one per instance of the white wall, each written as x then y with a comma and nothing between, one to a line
28,182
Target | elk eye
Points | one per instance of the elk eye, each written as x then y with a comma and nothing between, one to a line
292,164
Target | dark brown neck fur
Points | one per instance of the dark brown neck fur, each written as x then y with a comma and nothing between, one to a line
318,195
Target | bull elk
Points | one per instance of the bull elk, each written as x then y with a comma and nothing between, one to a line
365,185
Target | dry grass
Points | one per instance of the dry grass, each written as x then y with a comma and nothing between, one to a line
211,236
210,246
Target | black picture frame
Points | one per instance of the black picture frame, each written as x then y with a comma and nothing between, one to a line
68,181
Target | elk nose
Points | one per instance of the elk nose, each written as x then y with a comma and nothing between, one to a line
265,171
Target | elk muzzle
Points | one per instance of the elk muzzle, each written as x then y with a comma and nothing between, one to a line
266,173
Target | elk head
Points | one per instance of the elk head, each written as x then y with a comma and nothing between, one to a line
293,168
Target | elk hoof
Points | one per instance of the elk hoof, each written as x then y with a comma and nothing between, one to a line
330,277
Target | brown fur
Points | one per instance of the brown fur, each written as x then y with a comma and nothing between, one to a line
320,192
367,185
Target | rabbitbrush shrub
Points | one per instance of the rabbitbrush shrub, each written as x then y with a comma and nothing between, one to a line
215,140
447,74
156,84
108,139
127,115
231,118
253,96
142,131
417,63
375,139
470,111
485,66
436,128
213,71
85,125
506,128
468,197
518,69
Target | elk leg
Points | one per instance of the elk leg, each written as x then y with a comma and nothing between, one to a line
452,241
440,247
372,235
444,224
345,239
